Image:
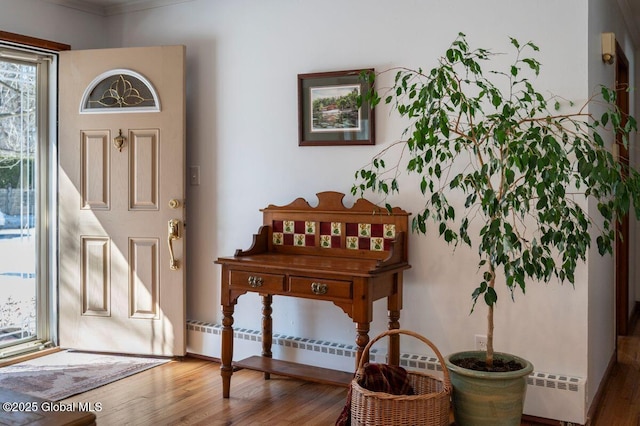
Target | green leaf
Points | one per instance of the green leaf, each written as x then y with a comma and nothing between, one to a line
606,94
450,55
490,296
449,235
533,64
533,46
509,176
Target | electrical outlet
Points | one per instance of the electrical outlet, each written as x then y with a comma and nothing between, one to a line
481,342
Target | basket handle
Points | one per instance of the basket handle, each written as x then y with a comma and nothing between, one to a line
445,370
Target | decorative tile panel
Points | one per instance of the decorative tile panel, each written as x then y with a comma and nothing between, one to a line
364,229
389,230
357,236
278,239
377,244
298,233
370,236
330,234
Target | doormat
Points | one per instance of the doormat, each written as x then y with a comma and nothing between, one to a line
63,374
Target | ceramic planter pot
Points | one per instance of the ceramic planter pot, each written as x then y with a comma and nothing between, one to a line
483,398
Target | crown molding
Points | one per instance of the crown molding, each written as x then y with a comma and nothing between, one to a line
80,5
116,9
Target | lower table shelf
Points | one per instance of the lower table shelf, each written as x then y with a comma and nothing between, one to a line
298,371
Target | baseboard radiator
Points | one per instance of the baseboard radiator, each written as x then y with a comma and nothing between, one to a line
552,396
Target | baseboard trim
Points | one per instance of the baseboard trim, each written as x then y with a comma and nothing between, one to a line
540,421
205,357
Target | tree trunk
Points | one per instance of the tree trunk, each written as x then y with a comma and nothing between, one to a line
489,356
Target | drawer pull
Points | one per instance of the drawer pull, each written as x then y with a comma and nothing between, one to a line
319,288
255,281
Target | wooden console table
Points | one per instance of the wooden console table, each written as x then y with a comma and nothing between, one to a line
348,256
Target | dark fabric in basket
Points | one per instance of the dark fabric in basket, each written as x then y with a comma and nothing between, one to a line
391,379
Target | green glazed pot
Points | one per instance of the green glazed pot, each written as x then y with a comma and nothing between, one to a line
483,398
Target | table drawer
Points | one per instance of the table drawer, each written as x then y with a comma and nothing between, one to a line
319,287
257,281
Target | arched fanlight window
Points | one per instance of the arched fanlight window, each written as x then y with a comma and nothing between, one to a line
119,90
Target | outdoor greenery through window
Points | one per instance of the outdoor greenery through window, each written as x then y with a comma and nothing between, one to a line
18,153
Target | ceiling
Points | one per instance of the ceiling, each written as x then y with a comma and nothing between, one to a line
630,9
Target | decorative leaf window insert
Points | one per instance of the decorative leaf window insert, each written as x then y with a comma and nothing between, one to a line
119,90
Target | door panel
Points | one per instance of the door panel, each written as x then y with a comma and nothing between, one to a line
143,257
95,177
120,167
94,272
144,169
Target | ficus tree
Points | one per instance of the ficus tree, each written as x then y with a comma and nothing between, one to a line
525,164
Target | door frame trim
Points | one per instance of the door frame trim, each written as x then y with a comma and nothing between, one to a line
622,280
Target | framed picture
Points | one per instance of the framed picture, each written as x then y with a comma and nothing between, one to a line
328,112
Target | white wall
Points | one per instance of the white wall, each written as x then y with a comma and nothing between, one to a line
243,57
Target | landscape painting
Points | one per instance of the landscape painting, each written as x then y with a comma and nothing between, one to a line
335,108
331,108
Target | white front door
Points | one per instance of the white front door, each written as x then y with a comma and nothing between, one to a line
121,200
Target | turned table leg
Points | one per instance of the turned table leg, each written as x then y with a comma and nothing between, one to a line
394,340
226,369
267,328
394,305
362,338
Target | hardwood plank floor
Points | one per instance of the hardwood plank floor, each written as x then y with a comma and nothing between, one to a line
189,392
620,405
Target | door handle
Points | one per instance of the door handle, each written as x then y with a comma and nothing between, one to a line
173,234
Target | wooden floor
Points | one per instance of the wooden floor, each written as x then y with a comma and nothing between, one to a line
189,392
620,405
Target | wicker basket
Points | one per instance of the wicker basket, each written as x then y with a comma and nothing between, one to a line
428,406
